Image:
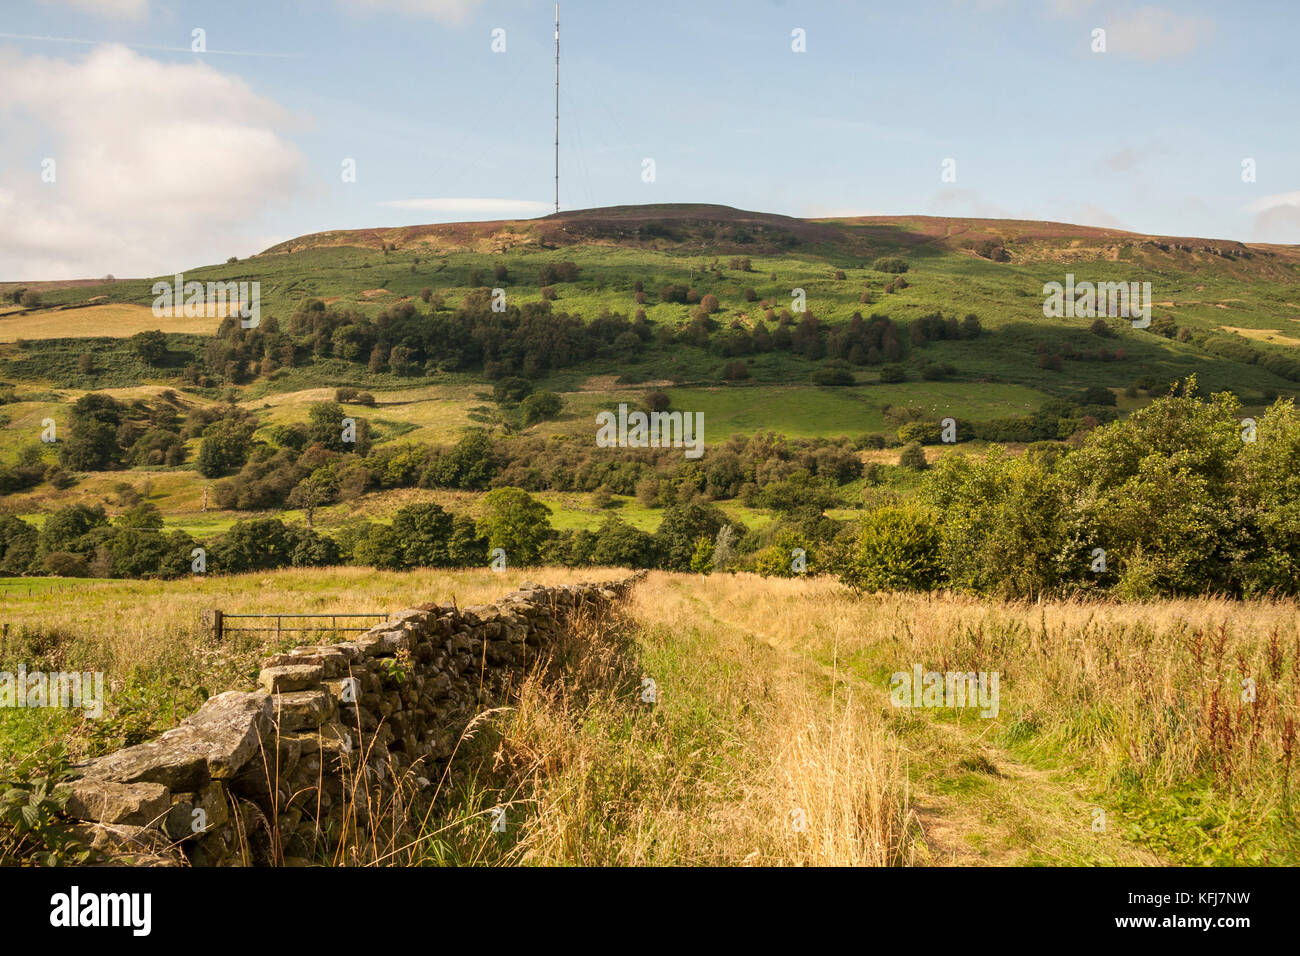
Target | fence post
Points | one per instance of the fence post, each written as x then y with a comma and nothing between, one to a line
217,623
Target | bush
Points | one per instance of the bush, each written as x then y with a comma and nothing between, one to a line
890,374
912,456
832,376
896,548
150,346
62,564
1097,395
539,407
937,371
892,264
735,371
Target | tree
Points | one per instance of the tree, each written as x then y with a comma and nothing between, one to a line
92,441
1001,523
325,427
150,346
144,516
540,407
224,447
30,300
896,548
466,548
68,529
515,521
682,526
317,489
617,544
257,545
422,534
17,545
724,549
702,558
469,464
912,456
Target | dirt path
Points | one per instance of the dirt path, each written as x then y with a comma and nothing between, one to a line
975,804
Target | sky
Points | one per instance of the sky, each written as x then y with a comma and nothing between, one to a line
126,152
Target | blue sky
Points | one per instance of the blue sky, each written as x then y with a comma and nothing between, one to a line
165,158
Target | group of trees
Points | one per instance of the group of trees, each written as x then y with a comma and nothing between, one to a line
525,339
80,541
103,433
1180,498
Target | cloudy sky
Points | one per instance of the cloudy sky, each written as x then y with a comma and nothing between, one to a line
126,152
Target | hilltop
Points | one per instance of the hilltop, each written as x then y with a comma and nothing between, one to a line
725,230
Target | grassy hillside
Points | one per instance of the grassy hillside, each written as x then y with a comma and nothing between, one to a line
1245,294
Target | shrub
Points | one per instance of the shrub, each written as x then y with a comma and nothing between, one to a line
912,456
735,371
896,548
893,264
1097,395
832,376
539,407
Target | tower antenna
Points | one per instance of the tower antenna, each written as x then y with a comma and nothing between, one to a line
557,107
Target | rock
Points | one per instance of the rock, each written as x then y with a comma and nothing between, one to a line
214,743
126,845
332,659
302,709
291,677
102,801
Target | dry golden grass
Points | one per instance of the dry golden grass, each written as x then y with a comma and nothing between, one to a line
772,739
116,319
1263,335
741,760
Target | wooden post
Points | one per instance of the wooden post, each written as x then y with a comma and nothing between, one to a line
217,624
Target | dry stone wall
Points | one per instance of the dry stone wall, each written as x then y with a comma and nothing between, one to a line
284,774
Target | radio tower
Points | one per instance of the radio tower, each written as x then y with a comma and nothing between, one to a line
557,107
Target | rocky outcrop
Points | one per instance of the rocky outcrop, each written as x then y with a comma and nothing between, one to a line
284,773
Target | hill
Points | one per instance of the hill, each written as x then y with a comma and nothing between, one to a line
849,337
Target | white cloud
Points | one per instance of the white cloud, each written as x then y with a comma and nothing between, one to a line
1153,33
450,10
494,208
1093,215
1277,217
109,9
158,166
1265,203
951,201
